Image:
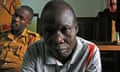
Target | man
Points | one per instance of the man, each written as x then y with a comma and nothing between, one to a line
61,50
15,42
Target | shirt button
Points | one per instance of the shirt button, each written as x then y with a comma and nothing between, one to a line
5,63
10,49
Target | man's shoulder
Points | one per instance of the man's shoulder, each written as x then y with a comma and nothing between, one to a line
37,46
29,32
84,41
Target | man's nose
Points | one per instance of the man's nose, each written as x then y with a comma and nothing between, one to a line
17,18
59,37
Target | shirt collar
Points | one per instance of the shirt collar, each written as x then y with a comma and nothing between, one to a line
49,59
11,36
77,51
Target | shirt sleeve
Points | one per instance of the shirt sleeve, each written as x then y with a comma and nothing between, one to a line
29,60
95,63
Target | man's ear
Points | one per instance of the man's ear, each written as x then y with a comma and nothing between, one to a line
29,23
76,27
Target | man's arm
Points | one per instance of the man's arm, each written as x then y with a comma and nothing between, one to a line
95,63
28,64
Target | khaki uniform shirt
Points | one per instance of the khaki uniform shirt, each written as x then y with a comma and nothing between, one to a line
12,49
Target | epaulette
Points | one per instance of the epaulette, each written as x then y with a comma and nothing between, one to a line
33,33
33,36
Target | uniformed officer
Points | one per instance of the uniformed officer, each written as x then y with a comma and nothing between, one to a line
15,42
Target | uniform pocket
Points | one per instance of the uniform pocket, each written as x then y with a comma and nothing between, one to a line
21,51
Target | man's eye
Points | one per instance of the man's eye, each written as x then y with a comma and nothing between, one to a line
21,17
17,15
66,30
48,32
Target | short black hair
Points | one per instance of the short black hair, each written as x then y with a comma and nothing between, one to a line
29,9
54,3
48,11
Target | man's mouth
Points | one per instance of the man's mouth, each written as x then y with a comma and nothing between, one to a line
62,48
14,25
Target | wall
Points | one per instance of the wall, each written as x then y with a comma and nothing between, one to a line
87,8
37,6
82,8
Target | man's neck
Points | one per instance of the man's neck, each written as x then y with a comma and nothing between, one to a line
16,33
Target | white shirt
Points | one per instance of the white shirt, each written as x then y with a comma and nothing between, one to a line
38,59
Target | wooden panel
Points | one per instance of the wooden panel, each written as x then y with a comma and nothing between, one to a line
109,47
110,57
87,27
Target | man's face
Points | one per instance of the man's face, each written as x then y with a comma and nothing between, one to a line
60,33
20,19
